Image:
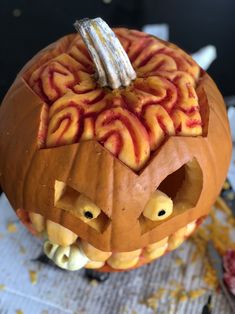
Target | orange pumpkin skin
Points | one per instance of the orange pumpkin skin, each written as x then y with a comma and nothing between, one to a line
28,174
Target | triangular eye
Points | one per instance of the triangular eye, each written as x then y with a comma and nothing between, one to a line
178,192
80,206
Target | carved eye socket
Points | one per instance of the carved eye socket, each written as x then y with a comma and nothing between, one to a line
177,193
80,206
159,206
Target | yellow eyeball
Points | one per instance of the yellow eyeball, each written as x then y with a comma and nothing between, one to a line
86,208
159,206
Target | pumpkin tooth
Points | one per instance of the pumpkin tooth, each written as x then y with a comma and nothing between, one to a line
60,235
176,239
190,228
61,256
159,206
124,260
157,249
156,245
93,253
38,221
94,265
78,258
69,257
155,253
50,249
113,66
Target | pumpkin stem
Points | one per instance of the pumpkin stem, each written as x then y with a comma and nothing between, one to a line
112,64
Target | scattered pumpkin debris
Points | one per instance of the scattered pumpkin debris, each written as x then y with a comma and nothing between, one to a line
226,185
182,296
2,287
179,261
152,301
220,204
11,227
197,293
94,282
177,293
230,196
19,312
33,276
22,249
219,232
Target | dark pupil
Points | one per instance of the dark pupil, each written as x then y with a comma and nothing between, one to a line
162,212
88,215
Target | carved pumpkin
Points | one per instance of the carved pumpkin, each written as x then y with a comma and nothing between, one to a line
113,155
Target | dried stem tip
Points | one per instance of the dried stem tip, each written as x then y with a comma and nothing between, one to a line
111,61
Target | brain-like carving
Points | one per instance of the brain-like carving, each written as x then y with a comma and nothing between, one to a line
130,122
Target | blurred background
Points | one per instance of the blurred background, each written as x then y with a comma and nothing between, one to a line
28,26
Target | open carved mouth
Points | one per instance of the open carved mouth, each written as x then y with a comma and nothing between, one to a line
81,254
